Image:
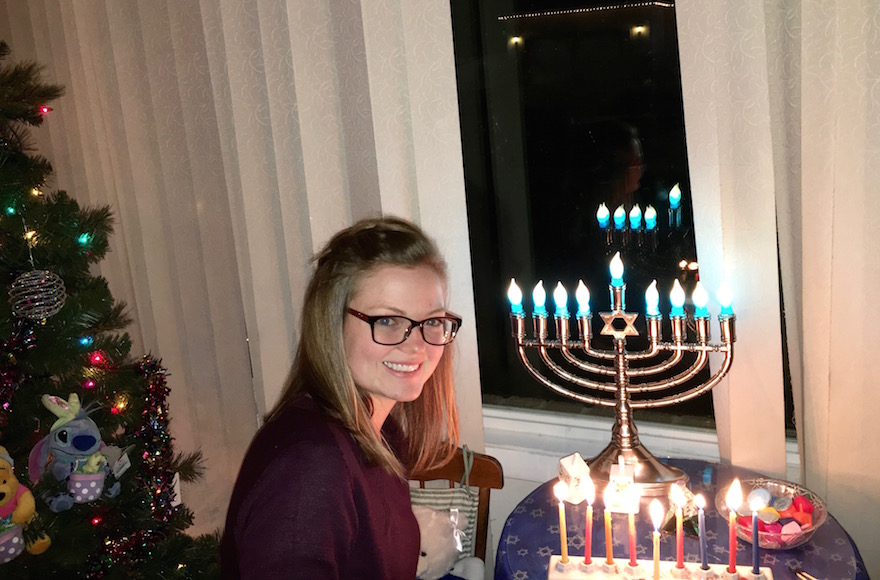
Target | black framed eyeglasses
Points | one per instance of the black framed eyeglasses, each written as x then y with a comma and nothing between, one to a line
389,330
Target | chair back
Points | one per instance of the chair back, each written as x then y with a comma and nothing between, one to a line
486,474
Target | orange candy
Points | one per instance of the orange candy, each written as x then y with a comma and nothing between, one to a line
803,518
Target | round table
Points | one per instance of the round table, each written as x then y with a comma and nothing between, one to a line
531,535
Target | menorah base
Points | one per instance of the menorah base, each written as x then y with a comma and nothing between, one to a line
651,474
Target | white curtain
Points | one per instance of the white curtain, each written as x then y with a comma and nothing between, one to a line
782,104
232,139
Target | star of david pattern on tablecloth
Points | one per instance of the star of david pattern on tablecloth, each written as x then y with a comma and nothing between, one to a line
531,535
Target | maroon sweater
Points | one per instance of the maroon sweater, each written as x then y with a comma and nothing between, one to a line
306,505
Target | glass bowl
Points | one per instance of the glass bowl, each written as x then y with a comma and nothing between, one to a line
781,492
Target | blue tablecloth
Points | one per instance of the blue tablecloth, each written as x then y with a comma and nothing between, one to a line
531,534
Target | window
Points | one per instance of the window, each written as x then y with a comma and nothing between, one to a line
565,106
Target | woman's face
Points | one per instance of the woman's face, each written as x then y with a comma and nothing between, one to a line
393,373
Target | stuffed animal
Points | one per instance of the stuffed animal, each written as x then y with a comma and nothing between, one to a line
72,441
441,546
17,502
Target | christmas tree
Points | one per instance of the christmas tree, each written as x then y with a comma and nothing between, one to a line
83,423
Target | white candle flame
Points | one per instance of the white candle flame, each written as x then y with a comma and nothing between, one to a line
616,266
700,501
724,295
636,211
539,295
677,496
602,213
676,297
650,213
656,510
652,299
588,489
560,490
757,504
700,296
734,497
582,294
514,294
560,297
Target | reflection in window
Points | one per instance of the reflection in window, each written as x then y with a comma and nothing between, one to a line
564,108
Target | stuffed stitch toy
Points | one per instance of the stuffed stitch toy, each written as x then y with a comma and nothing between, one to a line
72,441
439,555
17,502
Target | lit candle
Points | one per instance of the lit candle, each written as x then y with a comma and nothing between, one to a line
608,497
635,217
756,504
700,298
656,510
561,492
652,300
619,217
725,299
733,500
560,297
515,295
616,269
677,496
632,539
588,489
603,215
582,295
676,297
650,217
675,196
701,522
539,296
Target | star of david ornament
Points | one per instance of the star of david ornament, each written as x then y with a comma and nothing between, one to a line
628,319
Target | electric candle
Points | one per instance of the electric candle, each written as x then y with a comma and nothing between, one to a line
603,215
619,217
616,269
588,489
608,497
515,295
733,499
700,298
652,300
539,296
676,297
635,217
582,295
675,196
650,218
656,509
560,297
561,492
701,523
677,496
725,299
756,504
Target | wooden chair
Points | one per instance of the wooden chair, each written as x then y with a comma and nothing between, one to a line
486,474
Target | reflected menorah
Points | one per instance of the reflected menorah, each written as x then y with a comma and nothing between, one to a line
606,375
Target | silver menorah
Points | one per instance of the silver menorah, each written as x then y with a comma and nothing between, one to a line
605,377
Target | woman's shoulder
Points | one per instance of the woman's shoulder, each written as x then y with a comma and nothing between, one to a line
301,421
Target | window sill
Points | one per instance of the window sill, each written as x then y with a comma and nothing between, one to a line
529,443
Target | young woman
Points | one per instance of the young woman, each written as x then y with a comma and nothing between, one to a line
322,492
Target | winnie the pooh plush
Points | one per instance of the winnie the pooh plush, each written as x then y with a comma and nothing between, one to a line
17,501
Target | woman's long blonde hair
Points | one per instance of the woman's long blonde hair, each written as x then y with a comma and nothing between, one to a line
319,369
